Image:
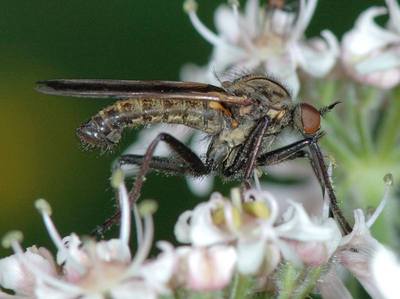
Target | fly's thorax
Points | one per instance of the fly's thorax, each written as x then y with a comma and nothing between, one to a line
265,91
223,143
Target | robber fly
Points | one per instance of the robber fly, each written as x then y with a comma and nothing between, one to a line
243,117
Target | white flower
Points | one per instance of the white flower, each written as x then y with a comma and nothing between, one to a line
385,268
270,40
260,234
357,249
370,53
89,269
15,276
206,268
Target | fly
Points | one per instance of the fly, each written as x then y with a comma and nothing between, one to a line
243,117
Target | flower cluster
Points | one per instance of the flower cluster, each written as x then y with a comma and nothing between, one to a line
246,235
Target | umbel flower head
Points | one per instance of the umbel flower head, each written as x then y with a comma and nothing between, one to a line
268,39
247,237
371,53
85,268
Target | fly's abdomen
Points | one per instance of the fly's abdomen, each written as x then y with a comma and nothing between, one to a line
135,112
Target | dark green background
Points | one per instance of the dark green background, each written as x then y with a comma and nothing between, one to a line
121,39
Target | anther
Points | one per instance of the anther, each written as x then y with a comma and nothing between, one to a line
388,179
190,6
11,237
43,206
117,178
147,207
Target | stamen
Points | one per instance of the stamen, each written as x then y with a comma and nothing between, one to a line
117,181
13,239
388,179
147,209
306,12
235,7
190,7
138,224
44,209
256,180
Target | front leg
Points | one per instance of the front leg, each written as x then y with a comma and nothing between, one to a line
296,150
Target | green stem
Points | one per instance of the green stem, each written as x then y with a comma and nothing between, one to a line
389,132
363,120
240,286
288,280
308,284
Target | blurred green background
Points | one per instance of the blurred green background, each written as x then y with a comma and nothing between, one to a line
121,39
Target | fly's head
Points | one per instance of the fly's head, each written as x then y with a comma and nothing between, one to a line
307,118
92,135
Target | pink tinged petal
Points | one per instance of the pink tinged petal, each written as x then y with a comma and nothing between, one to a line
211,268
331,286
159,272
318,56
227,24
357,252
283,68
113,251
16,277
311,253
386,272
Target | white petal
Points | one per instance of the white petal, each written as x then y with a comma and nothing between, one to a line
132,289
44,291
182,227
203,230
200,186
227,24
210,268
252,17
386,272
367,36
159,272
394,12
251,254
317,57
301,228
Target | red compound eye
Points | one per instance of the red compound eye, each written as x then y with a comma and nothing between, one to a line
310,118
307,118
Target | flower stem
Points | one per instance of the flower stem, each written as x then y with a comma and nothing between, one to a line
389,132
240,286
308,284
287,280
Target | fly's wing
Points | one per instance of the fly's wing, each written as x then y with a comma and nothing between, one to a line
123,89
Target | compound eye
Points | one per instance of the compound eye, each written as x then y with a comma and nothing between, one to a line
310,119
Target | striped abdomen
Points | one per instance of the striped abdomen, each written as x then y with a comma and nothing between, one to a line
105,128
